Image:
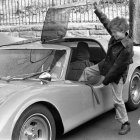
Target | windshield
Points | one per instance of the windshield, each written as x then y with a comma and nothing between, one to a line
18,63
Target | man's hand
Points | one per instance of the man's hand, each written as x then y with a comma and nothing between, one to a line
93,1
96,5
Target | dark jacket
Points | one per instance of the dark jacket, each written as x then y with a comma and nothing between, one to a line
119,55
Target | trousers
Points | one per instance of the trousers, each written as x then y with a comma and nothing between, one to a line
92,76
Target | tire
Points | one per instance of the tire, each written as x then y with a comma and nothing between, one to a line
134,91
36,122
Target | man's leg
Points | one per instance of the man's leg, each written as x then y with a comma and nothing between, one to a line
91,75
121,113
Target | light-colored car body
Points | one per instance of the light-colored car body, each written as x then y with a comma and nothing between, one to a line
74,101
7,39
71,102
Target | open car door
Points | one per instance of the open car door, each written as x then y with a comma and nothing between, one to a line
55,24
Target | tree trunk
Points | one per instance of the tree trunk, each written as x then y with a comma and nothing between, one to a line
134,20
53,3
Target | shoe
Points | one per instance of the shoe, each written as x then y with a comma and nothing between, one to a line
125,128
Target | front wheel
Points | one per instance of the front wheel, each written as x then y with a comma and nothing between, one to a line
134,91
35,123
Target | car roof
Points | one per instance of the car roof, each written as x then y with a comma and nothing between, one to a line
102,41
54,44
36,45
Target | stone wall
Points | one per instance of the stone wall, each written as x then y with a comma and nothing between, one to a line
74,29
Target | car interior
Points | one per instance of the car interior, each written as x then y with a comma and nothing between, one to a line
96,51
96,55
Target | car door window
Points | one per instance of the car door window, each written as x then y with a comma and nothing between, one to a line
58,63
96,55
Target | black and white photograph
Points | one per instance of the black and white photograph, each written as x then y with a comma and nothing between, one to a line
69,69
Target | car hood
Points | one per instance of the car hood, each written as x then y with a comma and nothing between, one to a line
55,24
7,39
15,87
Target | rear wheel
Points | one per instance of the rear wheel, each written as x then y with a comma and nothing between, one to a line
35,123
134,91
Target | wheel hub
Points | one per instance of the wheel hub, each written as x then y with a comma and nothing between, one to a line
31,132
35,128
135,89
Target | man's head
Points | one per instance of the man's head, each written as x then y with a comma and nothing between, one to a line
118,27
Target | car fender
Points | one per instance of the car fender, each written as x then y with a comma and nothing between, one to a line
128,79
9,121
132,69
28,104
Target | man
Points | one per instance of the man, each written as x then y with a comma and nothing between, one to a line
115,66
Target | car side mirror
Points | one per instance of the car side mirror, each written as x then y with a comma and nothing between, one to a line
45,77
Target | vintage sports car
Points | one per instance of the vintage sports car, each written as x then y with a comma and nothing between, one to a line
38,98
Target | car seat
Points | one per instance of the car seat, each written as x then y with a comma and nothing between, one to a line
81,62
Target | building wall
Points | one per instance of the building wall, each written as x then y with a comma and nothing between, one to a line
74,29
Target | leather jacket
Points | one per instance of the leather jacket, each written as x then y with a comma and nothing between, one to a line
119,55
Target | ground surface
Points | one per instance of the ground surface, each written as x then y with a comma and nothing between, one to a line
105,128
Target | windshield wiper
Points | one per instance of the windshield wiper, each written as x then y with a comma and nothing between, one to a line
10,78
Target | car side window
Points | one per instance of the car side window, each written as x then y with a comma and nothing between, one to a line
57,64
76,66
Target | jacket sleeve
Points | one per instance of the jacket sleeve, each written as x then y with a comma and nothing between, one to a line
120,65
103,19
